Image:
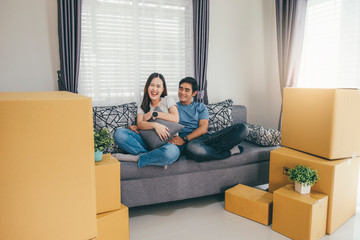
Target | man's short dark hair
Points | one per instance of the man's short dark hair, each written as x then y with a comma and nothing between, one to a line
190,80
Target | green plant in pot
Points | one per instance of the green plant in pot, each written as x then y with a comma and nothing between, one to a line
102,140
304,177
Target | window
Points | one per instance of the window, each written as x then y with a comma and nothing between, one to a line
331,53
124,41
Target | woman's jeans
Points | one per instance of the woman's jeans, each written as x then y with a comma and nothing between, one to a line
217,145
132,143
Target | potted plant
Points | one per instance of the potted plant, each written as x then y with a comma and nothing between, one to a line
304,177
102,140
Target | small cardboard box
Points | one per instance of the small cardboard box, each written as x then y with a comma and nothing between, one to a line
47,176
107,178
249,202
338,180
299,216
323,122
114,225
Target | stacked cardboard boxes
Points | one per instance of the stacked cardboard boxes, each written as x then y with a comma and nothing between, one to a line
112,216
320,130
47,166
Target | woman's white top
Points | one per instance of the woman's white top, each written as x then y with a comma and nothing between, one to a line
165,103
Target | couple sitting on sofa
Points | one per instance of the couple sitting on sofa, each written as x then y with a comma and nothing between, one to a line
193,138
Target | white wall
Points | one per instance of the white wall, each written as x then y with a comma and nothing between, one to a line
242,61
29,50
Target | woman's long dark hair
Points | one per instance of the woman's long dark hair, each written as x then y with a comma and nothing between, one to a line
145,105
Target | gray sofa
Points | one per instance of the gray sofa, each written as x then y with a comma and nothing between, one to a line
187,178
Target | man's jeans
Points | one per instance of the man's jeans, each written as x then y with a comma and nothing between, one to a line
132,143
217,145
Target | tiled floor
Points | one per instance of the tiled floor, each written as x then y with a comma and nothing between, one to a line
205,219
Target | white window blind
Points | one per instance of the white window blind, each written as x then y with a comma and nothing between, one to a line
124,41
331,53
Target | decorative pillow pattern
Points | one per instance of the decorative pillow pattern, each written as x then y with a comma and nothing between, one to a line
220,115
263,137
113,117
152,139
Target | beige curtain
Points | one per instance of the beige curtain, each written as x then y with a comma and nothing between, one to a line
290,24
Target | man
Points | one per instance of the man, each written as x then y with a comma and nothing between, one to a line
199,145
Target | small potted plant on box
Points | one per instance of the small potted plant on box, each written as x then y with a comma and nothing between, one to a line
304,177
102,140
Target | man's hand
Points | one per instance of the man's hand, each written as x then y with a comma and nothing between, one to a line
177,141
134,128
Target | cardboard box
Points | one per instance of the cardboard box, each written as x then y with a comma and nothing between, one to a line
47,176
299,216
338,180
323,122
114,225
249,202
107,178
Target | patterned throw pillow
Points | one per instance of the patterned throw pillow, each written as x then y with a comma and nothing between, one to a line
113,117
220,115
263,137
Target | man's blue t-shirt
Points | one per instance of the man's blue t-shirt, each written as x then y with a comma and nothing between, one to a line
190,115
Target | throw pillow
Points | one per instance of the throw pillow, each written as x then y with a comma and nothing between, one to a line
114,117
220,115
263,137
152,139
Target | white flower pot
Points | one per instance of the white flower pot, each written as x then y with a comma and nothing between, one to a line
302,188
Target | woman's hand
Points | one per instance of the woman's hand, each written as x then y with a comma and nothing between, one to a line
162,131
134,128
148,115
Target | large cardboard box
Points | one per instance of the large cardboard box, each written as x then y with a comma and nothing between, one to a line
249,202
323,122
299,216
47,178
107,177
338,180
114,225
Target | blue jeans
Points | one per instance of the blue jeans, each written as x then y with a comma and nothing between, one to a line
132,143
217,145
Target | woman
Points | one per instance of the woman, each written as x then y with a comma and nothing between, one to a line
155,95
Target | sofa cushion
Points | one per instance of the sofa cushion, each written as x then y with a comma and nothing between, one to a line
262,136
220,115
152,139
252,154
113,117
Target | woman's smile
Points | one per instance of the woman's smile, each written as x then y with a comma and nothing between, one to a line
155,89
